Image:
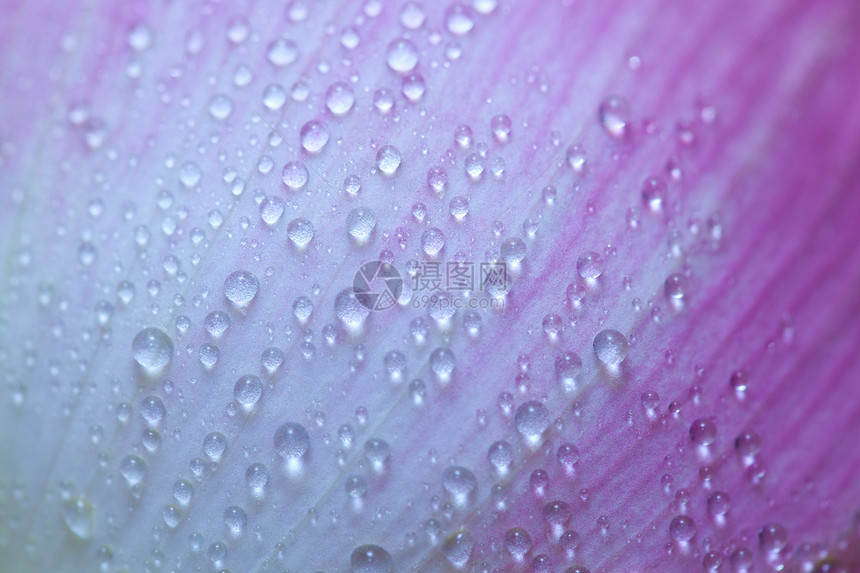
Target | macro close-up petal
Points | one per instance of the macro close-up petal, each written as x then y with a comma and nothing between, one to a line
374,286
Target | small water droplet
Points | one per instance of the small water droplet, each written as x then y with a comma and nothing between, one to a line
152,348
240,288
79,516
402,56
682,529
388,159
614,113
531,421
291,440
371,559
610,347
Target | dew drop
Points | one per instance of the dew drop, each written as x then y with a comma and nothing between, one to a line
339,98
240,288
682,529
152,348
295,175
654,193
459,19
518,542
576,157
432,242
610,347
402,56
152,410
773,537
247,391
442,363
220,107
214,445
349,310
314,136
703,432
235,519
371,559
501,456
133,469
257,476
388,159
79,515
589,266
291,440
531,421
513,251
614,114
282,52
271,209
300,231
216,323
360,223
718,504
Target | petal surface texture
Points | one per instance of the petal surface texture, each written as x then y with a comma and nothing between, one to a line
415,286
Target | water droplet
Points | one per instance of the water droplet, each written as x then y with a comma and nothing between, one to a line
282,52
257,476
518,542
748,444
610,347
360,223
501,127
182,492
459,208
79,515
292,440
300,231
133,469
432,241
356,486
349,310
513,251
295,175
383,100
458,547
413,87
568,368
676,288
589,266
152,348
271,209
614,113
388,159
240,288
377,451
412,16
220,107
274,97
152,410
442,363
247,391
371,559
235,519
718,504
703,432
339,98
459,19
567,455
742,559
402,56
216,323
682,528
190,174
209,355
531,421
501,456
460,483
654,193
314,135
773,537
576,158
214,445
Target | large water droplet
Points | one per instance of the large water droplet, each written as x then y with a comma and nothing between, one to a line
682,528
442,363
133,469
703,431
457,549
292,440
610,347
79,515
247,391
152,410
314,135
371,559
235,519
531,421
300,231
240,288
360,223
339,98
402,56
295,175
152,348
614,114
518,542
388,159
